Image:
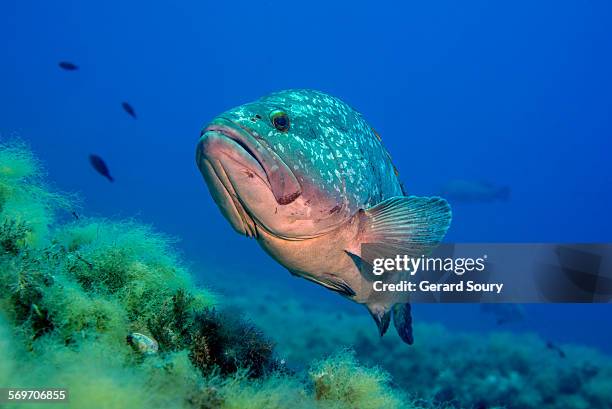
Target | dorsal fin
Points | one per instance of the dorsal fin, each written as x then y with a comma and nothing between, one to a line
377,135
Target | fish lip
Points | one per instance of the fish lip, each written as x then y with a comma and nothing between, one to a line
269,162
244,142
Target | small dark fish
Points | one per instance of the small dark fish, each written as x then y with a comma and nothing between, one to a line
471,191
554,347
75,215
129,109
68,66
100,166
504,313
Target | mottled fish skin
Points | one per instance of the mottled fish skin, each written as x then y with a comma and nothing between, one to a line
329,147
335,149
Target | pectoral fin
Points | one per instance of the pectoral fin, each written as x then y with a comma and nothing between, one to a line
416,225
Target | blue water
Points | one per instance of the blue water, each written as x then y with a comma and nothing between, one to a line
515,93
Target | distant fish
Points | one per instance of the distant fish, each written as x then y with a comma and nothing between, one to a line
100,166
129,109
470,191
504,313
68,66
554,347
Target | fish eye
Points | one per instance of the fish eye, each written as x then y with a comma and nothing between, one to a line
280,120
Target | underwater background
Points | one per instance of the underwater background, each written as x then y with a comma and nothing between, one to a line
515,94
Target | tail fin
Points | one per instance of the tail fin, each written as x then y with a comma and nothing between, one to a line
402,319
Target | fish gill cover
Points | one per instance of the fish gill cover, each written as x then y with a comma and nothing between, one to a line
108,310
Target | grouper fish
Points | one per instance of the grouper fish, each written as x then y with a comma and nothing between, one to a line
306,176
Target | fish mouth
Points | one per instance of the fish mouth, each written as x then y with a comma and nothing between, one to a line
254,153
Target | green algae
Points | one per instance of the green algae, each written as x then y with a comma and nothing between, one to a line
223,342
343,382
25,200
70,294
